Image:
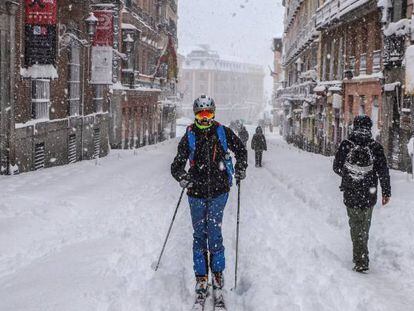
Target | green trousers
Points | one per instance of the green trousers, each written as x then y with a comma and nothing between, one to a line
360,222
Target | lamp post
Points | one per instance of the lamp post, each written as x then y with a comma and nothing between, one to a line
129,45
91,24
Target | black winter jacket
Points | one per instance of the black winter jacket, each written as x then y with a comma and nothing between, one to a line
259,142
209,175
244,135
365,195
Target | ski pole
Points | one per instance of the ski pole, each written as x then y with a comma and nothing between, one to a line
169,230
237,233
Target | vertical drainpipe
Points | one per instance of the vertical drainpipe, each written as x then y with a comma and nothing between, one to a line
12,9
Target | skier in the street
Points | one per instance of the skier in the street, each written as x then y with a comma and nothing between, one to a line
259,145
206,145
361,161
244,135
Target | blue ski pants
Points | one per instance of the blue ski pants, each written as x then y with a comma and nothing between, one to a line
207,217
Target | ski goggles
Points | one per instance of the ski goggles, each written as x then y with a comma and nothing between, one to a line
205,115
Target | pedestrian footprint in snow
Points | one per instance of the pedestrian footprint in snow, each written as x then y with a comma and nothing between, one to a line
259,145
206,145
361,161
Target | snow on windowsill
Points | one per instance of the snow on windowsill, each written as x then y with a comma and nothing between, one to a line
39,72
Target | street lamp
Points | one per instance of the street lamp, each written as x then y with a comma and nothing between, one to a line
91,23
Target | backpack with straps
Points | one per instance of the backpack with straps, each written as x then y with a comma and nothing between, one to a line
221,133
359,163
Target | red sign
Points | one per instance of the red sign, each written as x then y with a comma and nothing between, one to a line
41,12
105,29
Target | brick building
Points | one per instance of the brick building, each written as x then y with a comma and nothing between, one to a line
57,117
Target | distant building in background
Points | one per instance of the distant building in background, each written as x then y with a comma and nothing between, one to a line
237,88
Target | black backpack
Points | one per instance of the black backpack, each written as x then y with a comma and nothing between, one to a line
359,164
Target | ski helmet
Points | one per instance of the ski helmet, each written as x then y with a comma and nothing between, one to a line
204,103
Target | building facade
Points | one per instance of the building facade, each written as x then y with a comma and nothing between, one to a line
78,77
344,58
8,10
237,88
143,103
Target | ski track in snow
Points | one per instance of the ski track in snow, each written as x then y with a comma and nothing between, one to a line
84,237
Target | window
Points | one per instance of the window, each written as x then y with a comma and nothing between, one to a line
74,81
99,97
363,64
40,99
376,61
362,105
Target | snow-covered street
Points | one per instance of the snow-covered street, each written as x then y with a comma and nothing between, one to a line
72,242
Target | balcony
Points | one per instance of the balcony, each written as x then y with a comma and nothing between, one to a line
298,92
347,6
393,51
294,6
305,37
327,14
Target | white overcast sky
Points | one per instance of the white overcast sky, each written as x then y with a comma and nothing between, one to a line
237,28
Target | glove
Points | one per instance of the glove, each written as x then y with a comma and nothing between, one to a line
240,175
185,181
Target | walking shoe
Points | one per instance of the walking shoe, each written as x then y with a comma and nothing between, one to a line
361,268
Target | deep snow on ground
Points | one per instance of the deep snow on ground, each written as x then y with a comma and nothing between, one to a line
83,237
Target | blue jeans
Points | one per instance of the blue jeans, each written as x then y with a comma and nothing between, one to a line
207,216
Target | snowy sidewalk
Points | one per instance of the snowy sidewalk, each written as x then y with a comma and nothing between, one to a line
83,237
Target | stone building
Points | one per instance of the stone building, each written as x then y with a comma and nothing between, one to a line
300,62
8,11
143,100
237,87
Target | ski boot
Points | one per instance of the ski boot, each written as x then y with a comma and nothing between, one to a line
218,283
201,290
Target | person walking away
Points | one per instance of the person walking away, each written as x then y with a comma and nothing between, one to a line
259,145
206,145
361,161
244,135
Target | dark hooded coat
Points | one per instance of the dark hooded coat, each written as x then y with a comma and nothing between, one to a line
364,195
259,140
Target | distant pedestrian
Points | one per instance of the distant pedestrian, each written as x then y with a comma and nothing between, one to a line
259,145
244,135
361,161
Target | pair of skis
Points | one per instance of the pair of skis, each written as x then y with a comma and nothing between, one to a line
218,301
